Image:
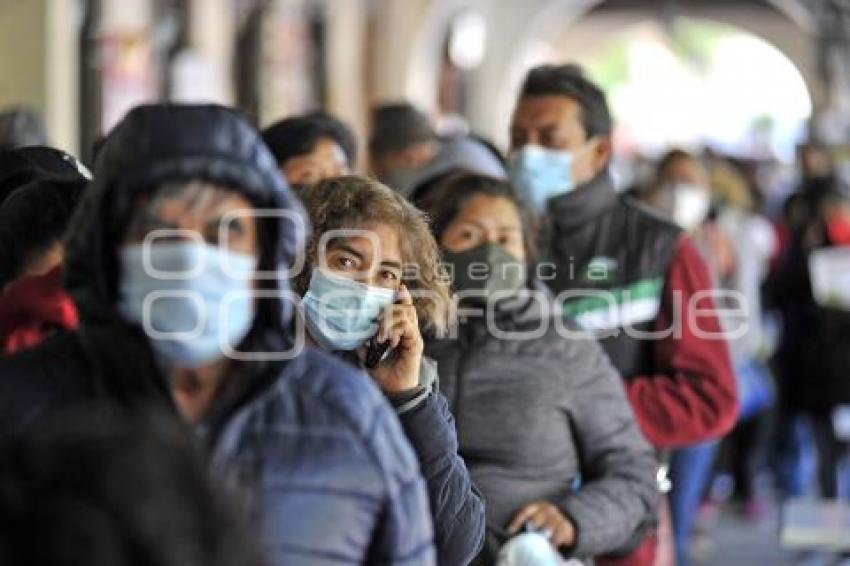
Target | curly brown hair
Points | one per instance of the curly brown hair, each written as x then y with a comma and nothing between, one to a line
354,202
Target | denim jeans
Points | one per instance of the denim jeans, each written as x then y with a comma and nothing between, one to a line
690,470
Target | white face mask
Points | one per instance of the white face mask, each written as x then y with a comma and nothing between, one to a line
690,205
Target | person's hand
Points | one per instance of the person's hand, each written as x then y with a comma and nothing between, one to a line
400,326
549,520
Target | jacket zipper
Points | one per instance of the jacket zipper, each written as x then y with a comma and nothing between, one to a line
464,343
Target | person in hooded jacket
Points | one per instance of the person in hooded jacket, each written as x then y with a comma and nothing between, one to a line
176,259
33,219
372,277
21,166
542,418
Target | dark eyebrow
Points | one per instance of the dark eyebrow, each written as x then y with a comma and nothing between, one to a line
348,249
475,223
392,265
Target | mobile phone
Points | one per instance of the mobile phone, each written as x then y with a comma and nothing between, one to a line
375,352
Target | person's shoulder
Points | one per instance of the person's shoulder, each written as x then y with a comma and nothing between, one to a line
542,334
60,353
648,233
333,387
566,343
35,380
648,215
319,395
572,353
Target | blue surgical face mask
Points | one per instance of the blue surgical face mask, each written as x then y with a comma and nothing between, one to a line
540,173
193,300
340,313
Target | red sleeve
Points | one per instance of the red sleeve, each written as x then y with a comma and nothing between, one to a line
693,396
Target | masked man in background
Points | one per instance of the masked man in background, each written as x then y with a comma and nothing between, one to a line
630,276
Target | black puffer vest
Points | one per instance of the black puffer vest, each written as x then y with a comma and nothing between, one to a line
608,258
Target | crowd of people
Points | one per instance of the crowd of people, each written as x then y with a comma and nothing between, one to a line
229,346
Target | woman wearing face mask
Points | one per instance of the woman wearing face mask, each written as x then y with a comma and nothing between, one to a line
680,190
372,280
542,419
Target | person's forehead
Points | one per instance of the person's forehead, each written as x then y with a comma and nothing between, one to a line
550,109
491,211
196,200
329,149
327,145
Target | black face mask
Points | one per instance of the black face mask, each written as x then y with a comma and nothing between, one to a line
486,269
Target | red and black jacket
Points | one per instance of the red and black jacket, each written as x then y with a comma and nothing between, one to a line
34,307
679,381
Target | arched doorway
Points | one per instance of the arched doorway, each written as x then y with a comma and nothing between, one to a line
519,34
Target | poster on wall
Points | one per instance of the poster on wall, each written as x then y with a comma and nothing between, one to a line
197,78
287,81
129,74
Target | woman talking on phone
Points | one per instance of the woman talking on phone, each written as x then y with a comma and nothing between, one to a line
370,286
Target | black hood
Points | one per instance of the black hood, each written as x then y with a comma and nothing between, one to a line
24,165
160,144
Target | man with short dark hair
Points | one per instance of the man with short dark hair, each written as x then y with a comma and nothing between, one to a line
628,272
408,156
311,147
39,191
402,141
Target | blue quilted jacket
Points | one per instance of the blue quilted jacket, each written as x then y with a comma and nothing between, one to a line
311,442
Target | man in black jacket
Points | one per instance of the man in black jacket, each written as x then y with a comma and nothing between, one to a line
620,270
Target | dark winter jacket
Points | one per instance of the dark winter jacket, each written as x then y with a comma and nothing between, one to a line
33,307
311,442
813,360
456,505
652,279
543,417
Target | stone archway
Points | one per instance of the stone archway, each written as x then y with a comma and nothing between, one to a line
516,29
